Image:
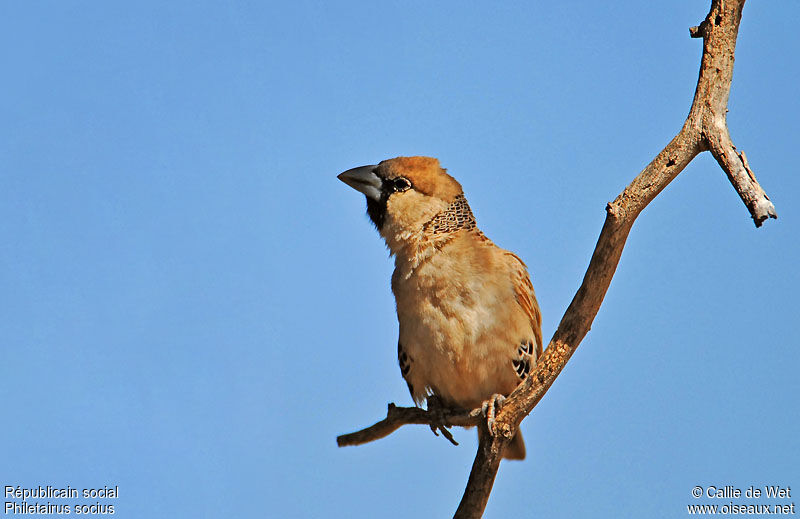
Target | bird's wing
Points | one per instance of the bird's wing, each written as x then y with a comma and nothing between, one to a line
523,290
404,360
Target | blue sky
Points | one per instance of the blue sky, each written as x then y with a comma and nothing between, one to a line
192,307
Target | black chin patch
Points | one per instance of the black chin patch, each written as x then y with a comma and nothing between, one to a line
377,210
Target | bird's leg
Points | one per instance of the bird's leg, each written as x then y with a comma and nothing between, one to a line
436,413
490,408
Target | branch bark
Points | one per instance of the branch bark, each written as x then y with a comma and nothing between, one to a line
397,417
705,129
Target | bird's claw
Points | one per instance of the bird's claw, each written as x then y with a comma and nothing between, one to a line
489,409
436,413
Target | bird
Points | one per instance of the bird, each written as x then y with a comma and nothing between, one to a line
469,323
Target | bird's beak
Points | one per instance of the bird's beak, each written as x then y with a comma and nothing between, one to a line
365,180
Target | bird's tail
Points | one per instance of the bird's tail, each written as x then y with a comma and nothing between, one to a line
515,450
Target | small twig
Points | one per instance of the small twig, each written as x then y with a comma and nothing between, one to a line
697,31
397,417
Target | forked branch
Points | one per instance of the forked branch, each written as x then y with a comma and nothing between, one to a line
705,129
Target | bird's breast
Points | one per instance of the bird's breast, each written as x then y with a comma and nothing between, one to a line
450,311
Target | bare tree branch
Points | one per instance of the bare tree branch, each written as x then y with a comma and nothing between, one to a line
705,129
710,106
397,417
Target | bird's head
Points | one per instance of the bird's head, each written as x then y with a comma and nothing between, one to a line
403,195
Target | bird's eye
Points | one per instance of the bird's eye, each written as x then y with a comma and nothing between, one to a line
401,184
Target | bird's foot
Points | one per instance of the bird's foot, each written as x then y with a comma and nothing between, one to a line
489,409
436,413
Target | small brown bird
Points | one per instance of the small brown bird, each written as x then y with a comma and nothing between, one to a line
470,327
